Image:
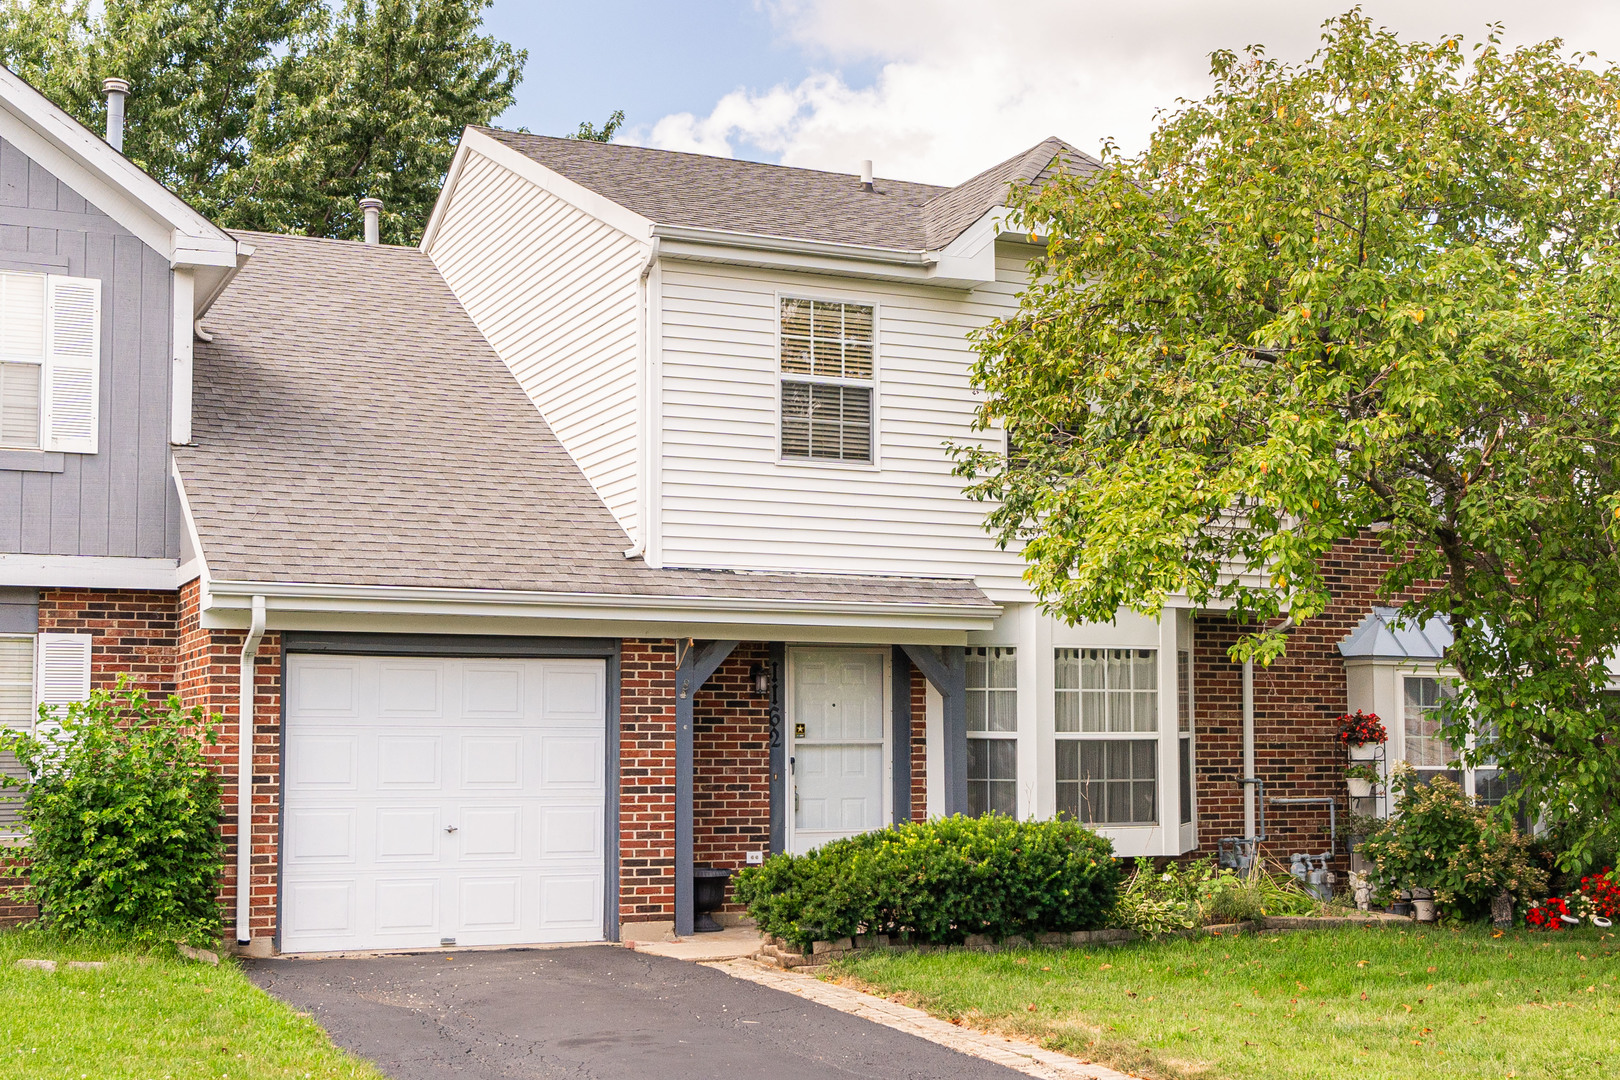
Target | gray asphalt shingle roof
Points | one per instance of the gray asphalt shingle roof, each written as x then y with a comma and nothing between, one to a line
700,191
351,426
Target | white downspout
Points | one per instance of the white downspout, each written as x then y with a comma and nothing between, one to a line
1248,747
244,775
644,428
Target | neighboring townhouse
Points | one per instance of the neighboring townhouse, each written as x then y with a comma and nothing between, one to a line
609,534
102,272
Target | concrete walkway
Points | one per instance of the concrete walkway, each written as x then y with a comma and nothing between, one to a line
596,1012
732,943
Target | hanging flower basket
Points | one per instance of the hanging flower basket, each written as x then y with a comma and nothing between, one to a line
1363,733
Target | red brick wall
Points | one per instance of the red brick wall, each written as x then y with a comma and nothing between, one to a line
209,662
1296,701
11,911
731,732
135,632
646,780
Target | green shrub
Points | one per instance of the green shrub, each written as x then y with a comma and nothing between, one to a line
122,813
938,881
1441,839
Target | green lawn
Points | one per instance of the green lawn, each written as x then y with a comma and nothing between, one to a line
145,1018
1369,1004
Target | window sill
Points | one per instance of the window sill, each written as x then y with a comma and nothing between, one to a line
32,461
829,463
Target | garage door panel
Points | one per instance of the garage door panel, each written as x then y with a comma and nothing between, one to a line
570,832
324,762
322,687
407,833
570,902
321,835
406,905
321,907
489,903
408,761
491,762
432,799
492,692
573,694
572,762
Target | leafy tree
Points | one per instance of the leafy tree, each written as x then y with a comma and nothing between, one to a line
277,114
1376,291
589,132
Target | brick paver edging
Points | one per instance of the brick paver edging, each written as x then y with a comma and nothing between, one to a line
1027,1058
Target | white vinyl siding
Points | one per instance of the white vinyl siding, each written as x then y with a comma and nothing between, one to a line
730,501
556,292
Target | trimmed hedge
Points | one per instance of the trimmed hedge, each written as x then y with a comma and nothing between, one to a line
938,881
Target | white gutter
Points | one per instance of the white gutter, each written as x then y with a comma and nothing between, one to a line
389,599
829,248
244,775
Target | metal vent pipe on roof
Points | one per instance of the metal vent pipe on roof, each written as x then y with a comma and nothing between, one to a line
866,176
373,212
116,90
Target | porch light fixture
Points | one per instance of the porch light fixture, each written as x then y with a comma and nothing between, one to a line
761,680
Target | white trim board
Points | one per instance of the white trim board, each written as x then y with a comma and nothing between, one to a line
89,572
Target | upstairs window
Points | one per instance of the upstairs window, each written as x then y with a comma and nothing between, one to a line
827,380
50,359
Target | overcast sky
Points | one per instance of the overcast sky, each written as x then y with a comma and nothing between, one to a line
932,90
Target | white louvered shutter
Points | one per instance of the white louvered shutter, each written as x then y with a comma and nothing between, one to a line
72,363
62,670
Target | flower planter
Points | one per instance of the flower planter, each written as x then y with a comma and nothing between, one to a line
1364,751
1360,788
1423,905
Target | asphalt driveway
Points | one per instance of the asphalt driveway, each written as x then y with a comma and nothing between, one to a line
592,1013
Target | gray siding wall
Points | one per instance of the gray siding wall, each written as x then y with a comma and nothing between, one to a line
120,500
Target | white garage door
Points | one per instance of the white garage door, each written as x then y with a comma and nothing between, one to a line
440,801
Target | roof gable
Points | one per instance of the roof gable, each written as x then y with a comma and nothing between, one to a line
701,191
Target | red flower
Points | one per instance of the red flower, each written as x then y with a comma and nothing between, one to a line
1361,727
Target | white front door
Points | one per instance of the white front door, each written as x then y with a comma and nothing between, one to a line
838,722
432,801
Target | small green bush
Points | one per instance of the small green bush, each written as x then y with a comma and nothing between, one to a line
938,881
1442,840
123,814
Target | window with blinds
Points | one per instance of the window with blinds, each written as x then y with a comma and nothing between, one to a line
16,711
50,359
827,380
22,358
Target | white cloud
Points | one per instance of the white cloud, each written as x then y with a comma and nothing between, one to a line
962,84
